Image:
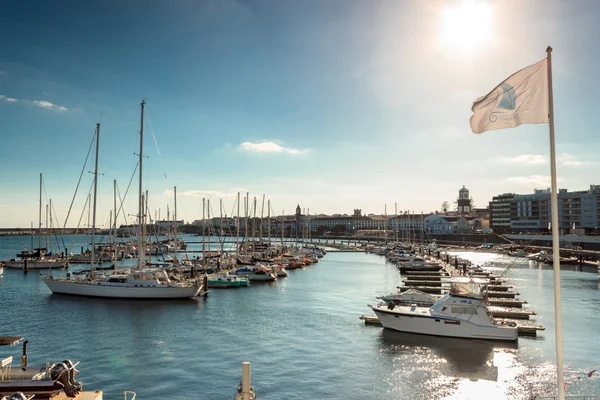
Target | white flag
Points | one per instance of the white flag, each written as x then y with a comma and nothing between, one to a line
520,99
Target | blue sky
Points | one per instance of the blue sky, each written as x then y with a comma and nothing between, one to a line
334,105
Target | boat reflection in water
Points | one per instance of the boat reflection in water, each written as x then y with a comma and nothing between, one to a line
440,367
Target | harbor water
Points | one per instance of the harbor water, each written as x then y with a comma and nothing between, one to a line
302,335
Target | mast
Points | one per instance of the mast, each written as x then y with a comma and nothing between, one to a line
175,219
95,193
209,222
247,213
269,220
50,226
238,216
115,222
203,230
262,209
40,219
141,251
282,228
46,235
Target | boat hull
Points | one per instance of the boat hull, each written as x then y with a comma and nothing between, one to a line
120,292
33,264
427,325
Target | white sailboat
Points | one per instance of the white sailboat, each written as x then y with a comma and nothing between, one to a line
141,283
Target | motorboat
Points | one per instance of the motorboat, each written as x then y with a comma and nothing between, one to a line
419,264
257,274
226,281
518,253
461,313
44,381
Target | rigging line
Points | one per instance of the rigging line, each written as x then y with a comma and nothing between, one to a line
80,176
87,198
126,191
155,143
56,234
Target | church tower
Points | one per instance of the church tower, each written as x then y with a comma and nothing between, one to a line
464,201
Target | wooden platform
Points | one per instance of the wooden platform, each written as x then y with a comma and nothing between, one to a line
10,340
506,303
511,314
506,294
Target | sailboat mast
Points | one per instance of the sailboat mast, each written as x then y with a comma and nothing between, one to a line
95,193
238,216
141,251
269,220
115,222
40,217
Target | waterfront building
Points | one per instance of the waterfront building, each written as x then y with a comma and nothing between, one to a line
500,212
532,212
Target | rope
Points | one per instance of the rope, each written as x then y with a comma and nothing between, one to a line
80,176
155,143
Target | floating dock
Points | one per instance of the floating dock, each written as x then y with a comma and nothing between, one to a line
524,330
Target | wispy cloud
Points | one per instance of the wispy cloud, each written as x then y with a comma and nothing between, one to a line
39,103
270,147
534,181
48,105
207,194
524,159
7,99
569,160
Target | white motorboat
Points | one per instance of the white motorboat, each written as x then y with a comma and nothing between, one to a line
139,283
462,313
518,253
419,264
279,271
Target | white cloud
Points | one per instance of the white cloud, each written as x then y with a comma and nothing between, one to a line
208,194
7,99
569,160
269,147
534,181
524,159
46,104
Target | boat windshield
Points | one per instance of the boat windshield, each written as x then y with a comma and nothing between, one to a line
466,288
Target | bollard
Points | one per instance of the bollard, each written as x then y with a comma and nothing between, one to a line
25,266
246,380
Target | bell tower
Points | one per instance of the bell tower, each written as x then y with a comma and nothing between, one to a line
464,201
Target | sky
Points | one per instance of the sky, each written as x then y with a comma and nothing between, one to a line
333,105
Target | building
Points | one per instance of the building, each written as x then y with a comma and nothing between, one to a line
533,212
500,213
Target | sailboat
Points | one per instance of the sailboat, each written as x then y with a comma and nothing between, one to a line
40,258
139,283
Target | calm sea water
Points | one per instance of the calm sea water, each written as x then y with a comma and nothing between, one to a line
302,335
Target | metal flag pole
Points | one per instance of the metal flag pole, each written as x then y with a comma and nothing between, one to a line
560,380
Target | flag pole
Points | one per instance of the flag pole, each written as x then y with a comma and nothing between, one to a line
555,239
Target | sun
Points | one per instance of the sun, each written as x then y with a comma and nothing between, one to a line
466,27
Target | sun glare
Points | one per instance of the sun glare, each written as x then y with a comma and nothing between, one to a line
466,26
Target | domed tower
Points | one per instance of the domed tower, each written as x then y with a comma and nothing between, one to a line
464,201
